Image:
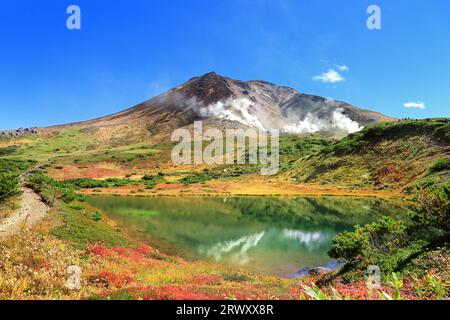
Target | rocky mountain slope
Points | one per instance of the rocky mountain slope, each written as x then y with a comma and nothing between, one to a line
226,103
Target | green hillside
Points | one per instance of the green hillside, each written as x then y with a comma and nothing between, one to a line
392,156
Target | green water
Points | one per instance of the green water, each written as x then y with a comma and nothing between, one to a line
276,235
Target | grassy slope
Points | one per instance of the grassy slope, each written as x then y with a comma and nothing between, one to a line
393,156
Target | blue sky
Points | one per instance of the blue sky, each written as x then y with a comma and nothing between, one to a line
129,51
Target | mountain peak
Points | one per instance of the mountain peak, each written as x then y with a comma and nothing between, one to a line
210,74
208,88
223,101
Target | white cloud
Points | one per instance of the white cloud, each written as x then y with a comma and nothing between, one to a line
342,67
331,76
416,105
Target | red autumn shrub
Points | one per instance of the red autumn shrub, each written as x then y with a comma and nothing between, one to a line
121,251
175,292
207,279
143,249
99,249
116,280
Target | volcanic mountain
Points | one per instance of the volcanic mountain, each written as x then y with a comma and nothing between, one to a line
226,103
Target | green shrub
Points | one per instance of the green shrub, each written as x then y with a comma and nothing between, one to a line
396,246
350,245
87,183
96,216
8,150
235,277
15,166
152,180
443,133
49,189
441,165
76,207
68,196
148,177
432,211
9,185
199,178
381,243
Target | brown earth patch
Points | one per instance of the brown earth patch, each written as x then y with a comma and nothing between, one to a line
101,170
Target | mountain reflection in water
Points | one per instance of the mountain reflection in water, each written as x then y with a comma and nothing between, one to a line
274,235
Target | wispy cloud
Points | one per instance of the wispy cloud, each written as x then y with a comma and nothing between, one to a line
331,76
416,105
342,67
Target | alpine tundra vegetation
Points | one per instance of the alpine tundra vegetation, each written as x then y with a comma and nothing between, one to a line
354,189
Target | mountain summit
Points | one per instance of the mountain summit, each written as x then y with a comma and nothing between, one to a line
223,102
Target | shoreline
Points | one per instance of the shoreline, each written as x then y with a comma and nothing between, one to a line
217,195
251,188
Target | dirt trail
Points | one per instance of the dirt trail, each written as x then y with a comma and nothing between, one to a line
32,210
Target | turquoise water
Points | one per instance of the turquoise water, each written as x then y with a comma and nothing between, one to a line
273,235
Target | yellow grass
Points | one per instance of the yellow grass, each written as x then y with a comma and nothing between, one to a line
251,186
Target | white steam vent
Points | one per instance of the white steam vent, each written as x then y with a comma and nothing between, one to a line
311,124
233,110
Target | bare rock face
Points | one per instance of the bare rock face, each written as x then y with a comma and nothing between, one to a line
224,102
265,106
210,88
21,132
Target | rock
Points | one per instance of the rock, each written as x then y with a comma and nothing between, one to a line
20,132
316,271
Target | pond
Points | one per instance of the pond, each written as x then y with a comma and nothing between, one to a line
272,235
